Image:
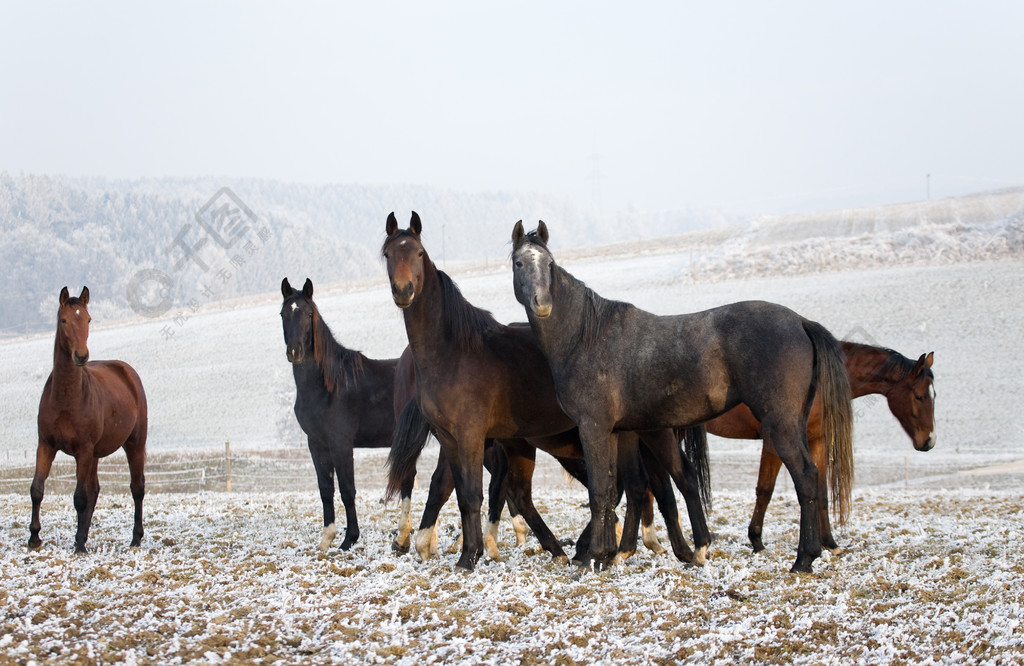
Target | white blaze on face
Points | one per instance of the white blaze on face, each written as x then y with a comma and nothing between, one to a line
78,313
531,255
295,306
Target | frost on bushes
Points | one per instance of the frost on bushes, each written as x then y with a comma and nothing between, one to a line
755,255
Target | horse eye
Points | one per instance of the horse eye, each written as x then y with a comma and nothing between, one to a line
519,264
385,255
420,254
63,320
919,398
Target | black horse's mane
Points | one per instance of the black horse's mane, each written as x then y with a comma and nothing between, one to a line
338,364
464,323
594,308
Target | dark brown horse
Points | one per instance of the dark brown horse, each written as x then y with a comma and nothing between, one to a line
343,401
477,380
88,410
908,389
617,367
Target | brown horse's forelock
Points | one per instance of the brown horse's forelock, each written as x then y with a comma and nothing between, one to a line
401,233
337,364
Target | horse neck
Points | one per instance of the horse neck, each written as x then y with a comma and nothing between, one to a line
863,365
424,320
67,379
560,333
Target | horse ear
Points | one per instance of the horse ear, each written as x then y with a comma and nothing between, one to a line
542,231
518,234
64,296
307,289
392,224
84,296
286,288
922,364
415,225
929,359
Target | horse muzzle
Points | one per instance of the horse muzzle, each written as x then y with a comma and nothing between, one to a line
295,355
541,306
403,295
926,445
80,359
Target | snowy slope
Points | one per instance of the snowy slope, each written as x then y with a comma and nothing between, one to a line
951,288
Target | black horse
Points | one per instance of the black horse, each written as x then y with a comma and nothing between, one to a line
343,400
617,367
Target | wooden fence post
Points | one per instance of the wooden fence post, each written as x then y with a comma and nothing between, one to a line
227,460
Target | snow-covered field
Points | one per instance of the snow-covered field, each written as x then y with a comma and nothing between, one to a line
934,570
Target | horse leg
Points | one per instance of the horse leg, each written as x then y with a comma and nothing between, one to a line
660,486
648,533
136,454
325,483
344,468
666,457
44,460
442,484
600,447
402,539
496,463
789,439
816,445
87,489
521,461
767,474
632,482
467,469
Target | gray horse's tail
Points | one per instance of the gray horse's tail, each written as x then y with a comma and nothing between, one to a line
833,385
695,448
407,441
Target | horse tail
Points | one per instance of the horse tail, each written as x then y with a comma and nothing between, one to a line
833,384
407,441
695,447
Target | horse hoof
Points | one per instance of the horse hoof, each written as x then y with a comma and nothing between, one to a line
621,558
799,568
700,557
327,537
560,560
81,550
399,548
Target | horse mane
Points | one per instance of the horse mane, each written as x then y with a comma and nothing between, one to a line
338,365
896,366
594,309
464,323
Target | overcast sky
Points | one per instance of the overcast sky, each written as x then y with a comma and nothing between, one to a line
758,107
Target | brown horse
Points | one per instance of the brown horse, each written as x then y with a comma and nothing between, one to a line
477,379
907,387
88,410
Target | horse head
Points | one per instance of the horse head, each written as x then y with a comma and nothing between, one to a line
297,315
406,259
73,325
532,266
912,402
